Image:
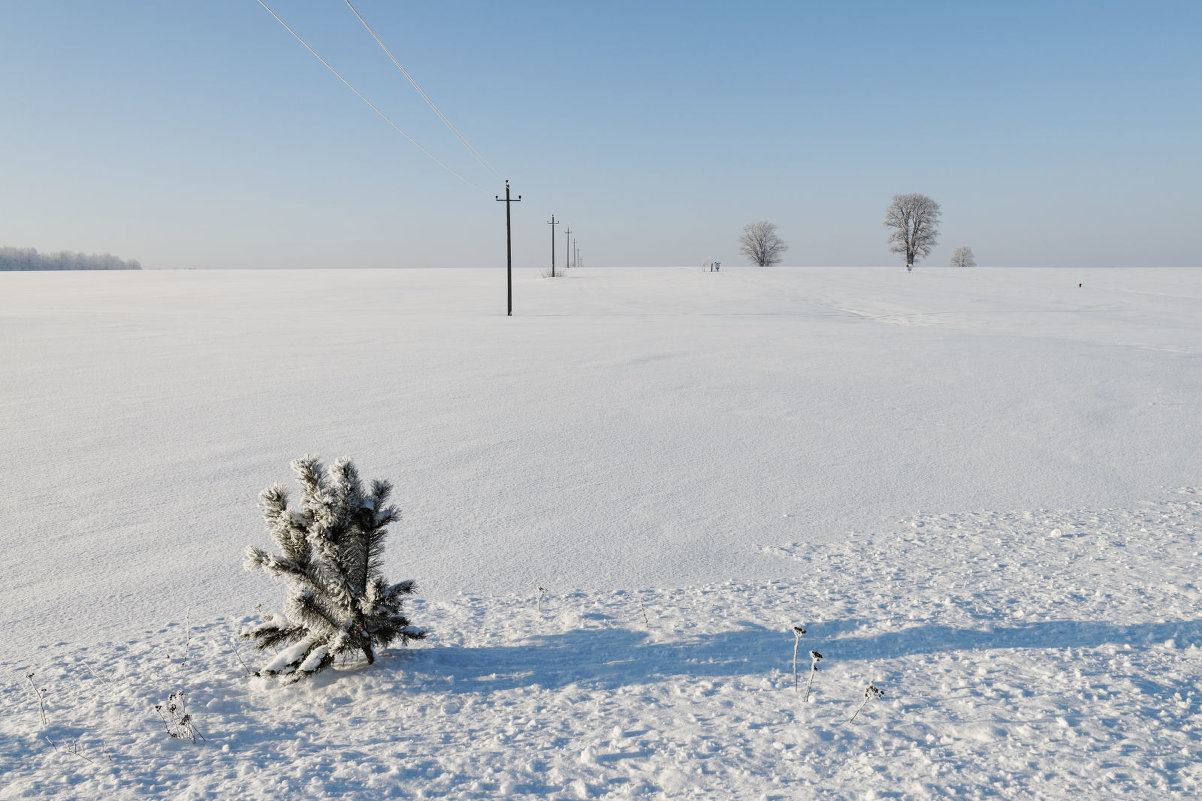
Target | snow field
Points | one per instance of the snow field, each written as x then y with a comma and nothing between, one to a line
964,484
1064,661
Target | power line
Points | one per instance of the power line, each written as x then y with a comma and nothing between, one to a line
429,101
371,105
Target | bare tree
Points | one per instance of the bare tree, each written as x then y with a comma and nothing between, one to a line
914,219
963,258
760,243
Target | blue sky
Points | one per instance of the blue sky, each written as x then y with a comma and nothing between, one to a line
201,134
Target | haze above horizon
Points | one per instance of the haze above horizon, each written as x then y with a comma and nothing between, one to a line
205,135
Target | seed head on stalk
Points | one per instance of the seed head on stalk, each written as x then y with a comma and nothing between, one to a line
872,692
798,632
815,658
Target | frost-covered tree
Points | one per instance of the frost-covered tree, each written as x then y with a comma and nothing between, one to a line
914,219
760,243
962,257
331,548
30,259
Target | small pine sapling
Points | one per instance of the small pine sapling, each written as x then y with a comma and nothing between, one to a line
332,552
815,658
872,692
798,633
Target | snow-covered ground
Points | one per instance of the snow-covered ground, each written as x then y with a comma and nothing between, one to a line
977,489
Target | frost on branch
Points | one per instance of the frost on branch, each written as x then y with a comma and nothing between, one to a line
760,243
963,257
914,220
331,550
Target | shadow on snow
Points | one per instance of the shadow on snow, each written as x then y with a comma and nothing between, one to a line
616,657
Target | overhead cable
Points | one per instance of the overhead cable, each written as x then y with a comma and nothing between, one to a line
429,101
370,104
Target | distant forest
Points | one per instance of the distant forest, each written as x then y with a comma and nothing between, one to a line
30,259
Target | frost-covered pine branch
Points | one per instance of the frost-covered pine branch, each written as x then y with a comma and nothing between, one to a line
331,555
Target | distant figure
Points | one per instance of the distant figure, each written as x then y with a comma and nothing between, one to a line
1078,286
717,266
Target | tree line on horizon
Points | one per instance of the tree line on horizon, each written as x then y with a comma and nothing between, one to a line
29,259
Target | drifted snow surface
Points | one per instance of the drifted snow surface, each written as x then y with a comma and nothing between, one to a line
977,489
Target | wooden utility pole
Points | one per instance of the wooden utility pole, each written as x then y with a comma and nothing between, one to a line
509,246
552,224
567,245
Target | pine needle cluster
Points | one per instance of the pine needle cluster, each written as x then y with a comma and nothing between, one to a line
332,548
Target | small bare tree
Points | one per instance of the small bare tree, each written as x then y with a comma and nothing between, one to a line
963,258
914,219
760,243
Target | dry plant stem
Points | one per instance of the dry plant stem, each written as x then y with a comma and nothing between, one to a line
872,692
41,704
177,721
77,750
797,632
814,659
238,654
95,675
644,610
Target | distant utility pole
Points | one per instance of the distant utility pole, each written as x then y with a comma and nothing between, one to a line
576,256
552,223
567,245
509,246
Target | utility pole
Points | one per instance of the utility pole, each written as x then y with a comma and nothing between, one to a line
509,246
567,245
552,224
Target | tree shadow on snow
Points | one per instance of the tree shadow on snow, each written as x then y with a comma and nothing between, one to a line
617,657
931,639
